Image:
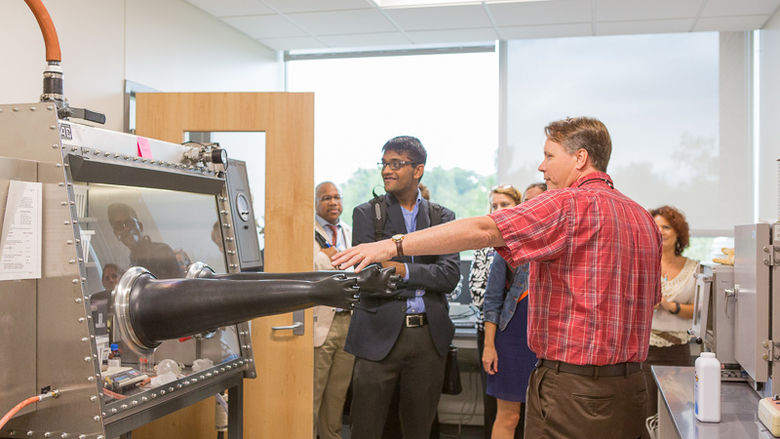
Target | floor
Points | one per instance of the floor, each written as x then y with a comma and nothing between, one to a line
447,431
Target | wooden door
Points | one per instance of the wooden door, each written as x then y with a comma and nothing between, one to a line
278,403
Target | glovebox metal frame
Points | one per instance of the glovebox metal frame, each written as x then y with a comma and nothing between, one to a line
46,332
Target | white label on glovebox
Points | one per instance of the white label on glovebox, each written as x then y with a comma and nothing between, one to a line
20,241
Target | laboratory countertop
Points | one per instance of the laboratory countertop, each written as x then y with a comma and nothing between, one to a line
739,407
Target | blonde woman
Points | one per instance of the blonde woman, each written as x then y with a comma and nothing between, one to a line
501,197
507,359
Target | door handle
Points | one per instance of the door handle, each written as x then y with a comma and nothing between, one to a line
297,326
732,292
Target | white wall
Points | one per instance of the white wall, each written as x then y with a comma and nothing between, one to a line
168,45
91,38
173,46
769,131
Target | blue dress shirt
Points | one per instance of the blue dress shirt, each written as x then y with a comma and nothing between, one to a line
414,305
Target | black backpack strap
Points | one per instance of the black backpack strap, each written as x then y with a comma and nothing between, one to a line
379,211
434,213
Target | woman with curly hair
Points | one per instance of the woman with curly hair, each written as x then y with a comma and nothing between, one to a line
673,314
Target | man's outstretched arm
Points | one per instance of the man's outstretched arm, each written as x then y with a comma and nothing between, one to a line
451,237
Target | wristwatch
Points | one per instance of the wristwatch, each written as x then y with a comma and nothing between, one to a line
676,308
398,240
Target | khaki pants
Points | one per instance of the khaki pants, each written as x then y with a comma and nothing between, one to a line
564,405
332,375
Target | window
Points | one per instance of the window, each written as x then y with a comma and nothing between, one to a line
448,101
659,95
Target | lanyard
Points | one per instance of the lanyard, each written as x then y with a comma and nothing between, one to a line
522,296
609,183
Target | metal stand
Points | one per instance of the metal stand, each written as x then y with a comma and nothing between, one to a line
236,411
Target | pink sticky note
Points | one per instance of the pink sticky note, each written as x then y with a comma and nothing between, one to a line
144,150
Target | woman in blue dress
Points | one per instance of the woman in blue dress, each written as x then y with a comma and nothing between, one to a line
507,359
501,197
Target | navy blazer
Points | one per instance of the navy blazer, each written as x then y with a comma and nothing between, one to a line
376,323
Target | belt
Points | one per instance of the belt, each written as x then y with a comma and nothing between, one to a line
343,311
415,320
610,370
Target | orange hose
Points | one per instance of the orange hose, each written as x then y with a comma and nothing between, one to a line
47,29
15,410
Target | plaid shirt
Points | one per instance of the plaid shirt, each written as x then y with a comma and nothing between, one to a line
595,271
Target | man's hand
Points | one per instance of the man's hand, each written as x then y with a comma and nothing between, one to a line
364,254
400,267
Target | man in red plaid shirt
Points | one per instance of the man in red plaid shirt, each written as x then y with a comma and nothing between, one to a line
595,275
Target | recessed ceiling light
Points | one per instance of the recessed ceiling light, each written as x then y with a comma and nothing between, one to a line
424,3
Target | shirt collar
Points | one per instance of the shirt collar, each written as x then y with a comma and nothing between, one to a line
324,223
393,199
594,178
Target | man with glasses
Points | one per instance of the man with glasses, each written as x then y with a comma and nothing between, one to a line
157,257
332,366
402,341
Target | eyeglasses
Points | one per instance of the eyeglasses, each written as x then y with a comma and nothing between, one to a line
394,164
327,198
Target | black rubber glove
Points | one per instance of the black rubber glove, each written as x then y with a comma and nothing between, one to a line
377,282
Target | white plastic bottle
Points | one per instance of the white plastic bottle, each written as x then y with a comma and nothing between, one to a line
706,388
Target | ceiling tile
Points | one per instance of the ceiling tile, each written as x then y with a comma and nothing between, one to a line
292,43
343,22
451,17
265,26
309,24
363,40
627,10
227,8
730,24
290,6
719,8
538,13
548,31
453,36
644,27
